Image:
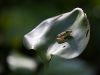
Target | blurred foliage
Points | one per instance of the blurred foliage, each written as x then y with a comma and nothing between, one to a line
60,66
17,17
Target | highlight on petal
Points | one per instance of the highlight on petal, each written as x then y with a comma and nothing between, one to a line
52,36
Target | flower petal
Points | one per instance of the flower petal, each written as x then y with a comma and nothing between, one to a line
78,41
43,37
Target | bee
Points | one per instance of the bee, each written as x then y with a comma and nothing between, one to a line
64,36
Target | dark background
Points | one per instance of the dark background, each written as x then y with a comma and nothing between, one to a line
18,17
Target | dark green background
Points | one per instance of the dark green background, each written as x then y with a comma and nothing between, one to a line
18,17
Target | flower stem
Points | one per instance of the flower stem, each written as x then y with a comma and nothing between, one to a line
46,66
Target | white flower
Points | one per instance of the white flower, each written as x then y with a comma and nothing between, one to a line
45,41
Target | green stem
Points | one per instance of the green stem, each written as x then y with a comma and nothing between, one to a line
46,65
46,60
